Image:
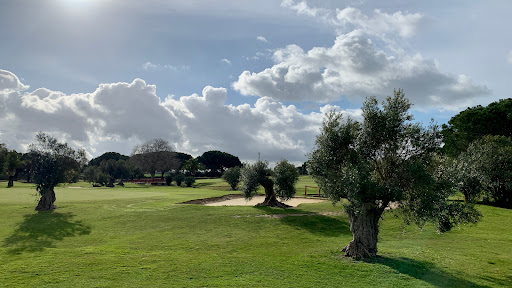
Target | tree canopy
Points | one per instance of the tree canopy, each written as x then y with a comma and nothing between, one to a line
107,156
279,182
485,169
476,122
155,155
385,159
53,163
218,161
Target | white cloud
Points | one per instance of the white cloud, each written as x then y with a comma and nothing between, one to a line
117,116
148,66
262,39
302,8
350,18
509,57
356,67
404,24
226,61
9,81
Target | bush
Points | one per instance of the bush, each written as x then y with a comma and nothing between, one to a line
168,180
189,181
179,178
232,176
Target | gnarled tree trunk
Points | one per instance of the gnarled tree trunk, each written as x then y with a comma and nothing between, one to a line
270,195
47,199
364,225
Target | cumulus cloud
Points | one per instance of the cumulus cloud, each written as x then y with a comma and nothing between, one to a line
405,24
356,67
113,112
9,81
117,116
262,39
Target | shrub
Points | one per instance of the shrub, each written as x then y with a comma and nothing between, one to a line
168,180
189,181
179,178
232,176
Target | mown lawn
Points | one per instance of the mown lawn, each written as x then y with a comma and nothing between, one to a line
138,236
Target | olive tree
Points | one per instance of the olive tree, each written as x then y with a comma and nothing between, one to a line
279,182
232,177
385,159
485,169
53,163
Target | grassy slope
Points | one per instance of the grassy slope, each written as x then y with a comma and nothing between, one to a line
138,236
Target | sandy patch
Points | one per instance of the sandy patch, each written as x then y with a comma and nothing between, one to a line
294,202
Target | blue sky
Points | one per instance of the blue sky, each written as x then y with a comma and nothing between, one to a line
238,76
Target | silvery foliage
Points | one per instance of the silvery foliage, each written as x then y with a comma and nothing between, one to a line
386,159
285,177
486,166
54,162
251,176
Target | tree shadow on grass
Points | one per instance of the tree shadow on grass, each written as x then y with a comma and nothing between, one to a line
41,230
424,271
311,222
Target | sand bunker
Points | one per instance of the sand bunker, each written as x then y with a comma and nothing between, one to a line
294,202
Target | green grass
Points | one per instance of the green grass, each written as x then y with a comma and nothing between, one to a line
138,236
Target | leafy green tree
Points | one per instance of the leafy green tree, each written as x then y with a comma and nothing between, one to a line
284,177
217,161
232,176
13,162
179,179
485,168
476,122
155,155
189,181
3,158
193,165
91,174
168,180
53,163
385,159
106,156
182,158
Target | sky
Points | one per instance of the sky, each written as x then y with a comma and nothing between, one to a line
245,77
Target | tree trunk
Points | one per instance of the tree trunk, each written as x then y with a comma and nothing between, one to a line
47,200
364,225
11,173
270,195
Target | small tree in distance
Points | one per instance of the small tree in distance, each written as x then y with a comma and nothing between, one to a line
284,178
13,162
232,176
53,163
179,179
383,160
